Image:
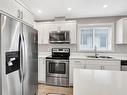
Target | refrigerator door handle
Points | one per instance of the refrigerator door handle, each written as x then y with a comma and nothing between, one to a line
20,75
21,59
23,56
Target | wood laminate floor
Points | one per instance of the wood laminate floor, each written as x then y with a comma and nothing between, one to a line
45,89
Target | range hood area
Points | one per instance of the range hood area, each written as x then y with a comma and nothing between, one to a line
59,37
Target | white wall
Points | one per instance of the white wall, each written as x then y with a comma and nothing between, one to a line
117,48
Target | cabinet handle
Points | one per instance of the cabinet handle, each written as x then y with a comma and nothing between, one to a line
18,14
21,15
77,61
103,67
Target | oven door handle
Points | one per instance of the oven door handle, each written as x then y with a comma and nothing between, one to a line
58,61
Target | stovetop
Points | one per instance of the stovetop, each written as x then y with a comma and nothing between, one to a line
60,53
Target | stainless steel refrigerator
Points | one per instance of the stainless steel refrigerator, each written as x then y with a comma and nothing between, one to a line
18,58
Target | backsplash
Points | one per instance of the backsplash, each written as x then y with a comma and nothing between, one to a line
47,48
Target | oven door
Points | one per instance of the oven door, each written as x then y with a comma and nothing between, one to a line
57,68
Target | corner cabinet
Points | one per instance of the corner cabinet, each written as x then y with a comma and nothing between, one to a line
93,65
45,28
17,10
41,70
121,31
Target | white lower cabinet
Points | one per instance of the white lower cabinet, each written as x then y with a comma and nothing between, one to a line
79,66
93,65
73,65
41,70
98,67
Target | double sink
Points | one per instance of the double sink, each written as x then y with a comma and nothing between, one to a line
107,57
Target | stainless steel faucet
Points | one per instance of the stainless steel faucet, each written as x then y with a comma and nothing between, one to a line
95,51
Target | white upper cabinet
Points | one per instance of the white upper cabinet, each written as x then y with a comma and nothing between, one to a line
39,26
43,32
72,27
45,28
12,7
9,6
27,16
121,31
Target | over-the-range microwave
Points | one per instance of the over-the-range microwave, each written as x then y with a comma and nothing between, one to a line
59,37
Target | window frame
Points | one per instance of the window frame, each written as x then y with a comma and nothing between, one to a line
111,36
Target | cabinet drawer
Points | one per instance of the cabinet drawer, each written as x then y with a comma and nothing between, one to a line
113,68
111,63
79,62
93,67
103,62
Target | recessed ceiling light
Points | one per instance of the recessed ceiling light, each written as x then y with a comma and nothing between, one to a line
105,6
39,11
69,9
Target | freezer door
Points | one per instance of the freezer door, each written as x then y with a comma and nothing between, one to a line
10,56
30,63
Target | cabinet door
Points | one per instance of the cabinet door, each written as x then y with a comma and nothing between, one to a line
93,67
121,31
73,65
43,32
9,6
41,70
27,16
114,68
55,26
47,28
39,26
70,26
125,31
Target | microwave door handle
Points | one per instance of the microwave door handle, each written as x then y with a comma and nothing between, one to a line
65,35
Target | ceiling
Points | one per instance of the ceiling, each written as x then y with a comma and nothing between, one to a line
48,9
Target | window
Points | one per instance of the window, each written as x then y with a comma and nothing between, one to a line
99,36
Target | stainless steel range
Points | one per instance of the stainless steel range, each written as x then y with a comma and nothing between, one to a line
57,67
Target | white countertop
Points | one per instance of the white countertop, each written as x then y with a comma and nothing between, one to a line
43,54
88,58
84,56
98,82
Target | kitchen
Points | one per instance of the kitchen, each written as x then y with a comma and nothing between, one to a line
72,37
